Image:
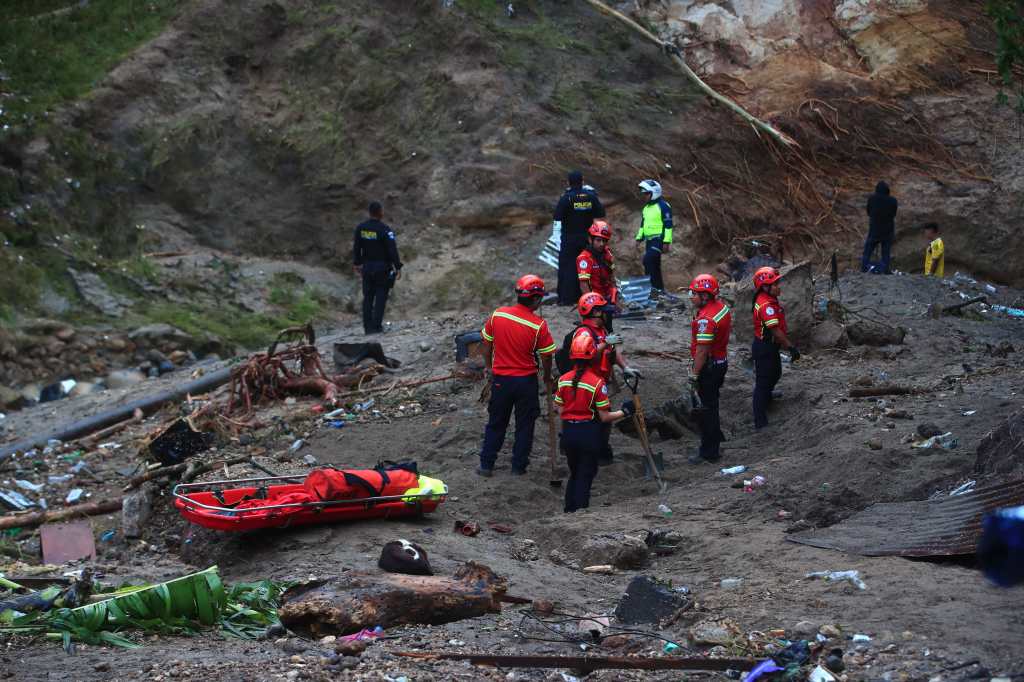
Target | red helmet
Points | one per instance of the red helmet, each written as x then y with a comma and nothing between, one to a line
530,286
589,302
765,276
583,347
601,229
704,284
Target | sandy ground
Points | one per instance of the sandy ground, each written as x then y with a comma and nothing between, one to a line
825,456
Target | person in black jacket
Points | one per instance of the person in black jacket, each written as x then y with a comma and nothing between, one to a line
375,258
881,209
576,211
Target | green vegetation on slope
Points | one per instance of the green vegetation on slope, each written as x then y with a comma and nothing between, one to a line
52,53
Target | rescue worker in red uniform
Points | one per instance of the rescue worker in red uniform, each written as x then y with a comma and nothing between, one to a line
583,404
514,336
709,341
592,308
595,268
770,335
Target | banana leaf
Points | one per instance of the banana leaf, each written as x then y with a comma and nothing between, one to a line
180,606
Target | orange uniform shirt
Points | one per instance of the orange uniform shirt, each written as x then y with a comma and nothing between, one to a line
711,326
768,315
582,402
518,335
599,273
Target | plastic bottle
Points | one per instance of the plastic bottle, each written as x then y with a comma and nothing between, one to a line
732,471
665,510
1001,548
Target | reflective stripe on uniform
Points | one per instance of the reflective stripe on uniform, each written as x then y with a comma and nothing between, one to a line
721,313
487,337
590,388
532,325
548,349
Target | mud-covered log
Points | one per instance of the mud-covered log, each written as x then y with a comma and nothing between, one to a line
669,421
351,602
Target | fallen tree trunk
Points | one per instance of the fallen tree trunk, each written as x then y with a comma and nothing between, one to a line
673,52
352,602
963,304
39,518
189,470
872,391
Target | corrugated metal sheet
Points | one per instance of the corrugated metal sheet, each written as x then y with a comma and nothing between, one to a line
947,526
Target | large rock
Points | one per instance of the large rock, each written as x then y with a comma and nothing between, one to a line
124,377
647,601
160,336
96,293
11,399
797,299
621,551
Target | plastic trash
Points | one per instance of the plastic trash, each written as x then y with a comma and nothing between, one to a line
665,510
730,583
336,424
946,441
670,647
108,535
1012,312
965,488
28,485
819,674
968,413
297,445
15,500
763,668
990,289
852,577
363,407
74,496
333,414
1001,548
859,639
732,471
60,478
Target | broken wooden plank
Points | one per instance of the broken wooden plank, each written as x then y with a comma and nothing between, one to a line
354,601
589,663
39,518
888,389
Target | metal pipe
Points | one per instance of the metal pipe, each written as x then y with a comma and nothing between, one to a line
92,424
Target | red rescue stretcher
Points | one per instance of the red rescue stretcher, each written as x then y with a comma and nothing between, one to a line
282,501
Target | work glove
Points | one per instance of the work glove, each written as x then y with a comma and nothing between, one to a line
794,353
629,408
613,339
630,373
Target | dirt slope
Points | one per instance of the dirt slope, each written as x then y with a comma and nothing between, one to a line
924,617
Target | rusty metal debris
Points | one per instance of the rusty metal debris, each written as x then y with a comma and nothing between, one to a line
589,664
946,526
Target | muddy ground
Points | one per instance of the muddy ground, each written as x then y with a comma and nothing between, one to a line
825,456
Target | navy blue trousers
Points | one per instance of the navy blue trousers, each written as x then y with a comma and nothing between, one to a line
869,250
709,386
508,395
568,280
376,287
767,372
583,444
652,263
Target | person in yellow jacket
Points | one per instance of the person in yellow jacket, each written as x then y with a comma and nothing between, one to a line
655,232
935,254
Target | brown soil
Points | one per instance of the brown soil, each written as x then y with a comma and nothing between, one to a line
934,615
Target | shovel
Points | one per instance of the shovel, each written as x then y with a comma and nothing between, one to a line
641,428
555,481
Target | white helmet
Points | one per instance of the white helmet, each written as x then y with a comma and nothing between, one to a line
651,186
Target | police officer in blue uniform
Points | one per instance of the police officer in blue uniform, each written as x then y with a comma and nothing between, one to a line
375,257
576,211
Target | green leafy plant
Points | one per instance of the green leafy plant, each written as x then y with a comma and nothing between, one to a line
181,606
1008,20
